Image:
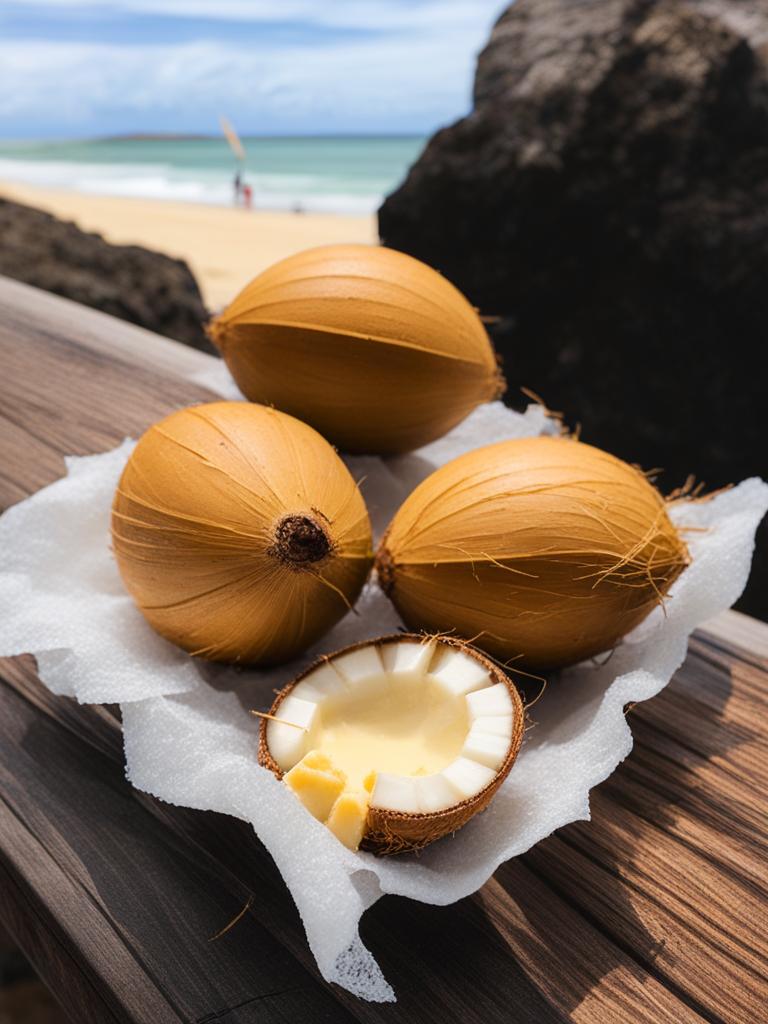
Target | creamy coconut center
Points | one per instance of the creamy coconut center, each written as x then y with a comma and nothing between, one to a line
406,730
411,727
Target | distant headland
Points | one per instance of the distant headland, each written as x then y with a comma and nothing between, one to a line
156,137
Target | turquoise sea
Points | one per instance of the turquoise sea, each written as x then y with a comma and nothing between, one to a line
339,175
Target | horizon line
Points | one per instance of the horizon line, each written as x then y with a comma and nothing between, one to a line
138,136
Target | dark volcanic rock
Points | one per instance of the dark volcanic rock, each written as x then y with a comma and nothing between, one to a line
129,282
607,198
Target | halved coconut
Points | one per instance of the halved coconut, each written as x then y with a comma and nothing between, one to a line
395,742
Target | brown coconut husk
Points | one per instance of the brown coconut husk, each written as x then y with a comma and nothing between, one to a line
370,346
544,549
239,532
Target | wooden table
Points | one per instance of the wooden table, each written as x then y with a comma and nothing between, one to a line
653,912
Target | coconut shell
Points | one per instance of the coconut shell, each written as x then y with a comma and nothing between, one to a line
542,549
390,832
239,532
373,348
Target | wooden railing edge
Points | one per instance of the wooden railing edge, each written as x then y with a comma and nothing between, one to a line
101,332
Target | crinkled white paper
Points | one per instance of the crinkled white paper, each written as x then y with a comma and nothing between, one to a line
190,740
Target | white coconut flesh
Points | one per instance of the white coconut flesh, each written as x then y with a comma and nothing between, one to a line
406,726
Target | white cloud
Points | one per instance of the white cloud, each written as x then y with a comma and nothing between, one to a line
374,14
415,78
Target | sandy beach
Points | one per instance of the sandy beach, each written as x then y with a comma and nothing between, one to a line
224,247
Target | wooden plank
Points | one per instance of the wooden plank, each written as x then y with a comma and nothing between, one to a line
549,935
673,868
115,909
29,311
57,398
441,935
740,633
460,954
649,913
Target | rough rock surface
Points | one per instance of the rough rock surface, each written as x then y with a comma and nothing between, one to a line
607,199
129,282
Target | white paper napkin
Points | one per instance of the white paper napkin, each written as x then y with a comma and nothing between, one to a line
189,738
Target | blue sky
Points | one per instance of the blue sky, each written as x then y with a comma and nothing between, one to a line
83,67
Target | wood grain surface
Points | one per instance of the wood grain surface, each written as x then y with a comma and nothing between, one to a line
652,912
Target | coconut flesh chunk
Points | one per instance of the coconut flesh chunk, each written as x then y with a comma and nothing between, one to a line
386,735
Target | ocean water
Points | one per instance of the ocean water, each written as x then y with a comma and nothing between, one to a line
339,175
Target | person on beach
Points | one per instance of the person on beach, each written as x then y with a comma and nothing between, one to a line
238,186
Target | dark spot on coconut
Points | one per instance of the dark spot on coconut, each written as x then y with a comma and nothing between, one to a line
300,540
385,569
